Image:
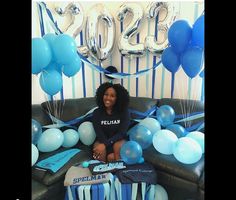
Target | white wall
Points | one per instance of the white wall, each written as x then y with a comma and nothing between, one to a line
73,87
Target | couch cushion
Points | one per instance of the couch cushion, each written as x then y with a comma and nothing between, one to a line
48,178
38,190
38,114
184,106
69,109
169,164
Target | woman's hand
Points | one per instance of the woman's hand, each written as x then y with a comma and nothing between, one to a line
99,151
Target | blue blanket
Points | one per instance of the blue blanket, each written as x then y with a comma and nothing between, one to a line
57,161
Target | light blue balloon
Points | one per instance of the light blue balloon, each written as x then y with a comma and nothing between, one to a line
71,138
54,66
131,152
72,68
187,150
50,140
142,136
64,49
50,81
165,115
199,138
150,123
41,54
177,129
160,193
164,141
34,154
179,35
87,133
50,37
36,131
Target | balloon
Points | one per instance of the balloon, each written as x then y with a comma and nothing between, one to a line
69,17
71,138
72,68
177,129
64,49
99,12
54,66
111,69
179,35
164,141
125,47
151,124
201,73
142,136
192,61
154,9
50,140
131,152
187,150
41,54
165,115
170,60
87,133
34,154
50,37
199,138
198,32
50,81
160,193
36,131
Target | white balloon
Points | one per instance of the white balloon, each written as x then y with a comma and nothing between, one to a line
125,47
34,154
96,13
87,133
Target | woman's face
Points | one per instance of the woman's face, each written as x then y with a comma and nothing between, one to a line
109,98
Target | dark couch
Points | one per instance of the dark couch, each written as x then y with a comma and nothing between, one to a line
181,181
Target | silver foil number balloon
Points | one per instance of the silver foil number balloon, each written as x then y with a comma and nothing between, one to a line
165,18
125,47
97,13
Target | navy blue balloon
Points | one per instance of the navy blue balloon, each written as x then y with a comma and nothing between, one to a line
198,32
192,61
170,60
36,131
179,35
177,129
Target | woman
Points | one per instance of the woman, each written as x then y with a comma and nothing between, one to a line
110,121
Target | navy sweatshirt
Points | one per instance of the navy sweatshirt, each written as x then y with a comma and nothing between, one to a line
110,128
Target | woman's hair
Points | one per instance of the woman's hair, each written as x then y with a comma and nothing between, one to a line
122,96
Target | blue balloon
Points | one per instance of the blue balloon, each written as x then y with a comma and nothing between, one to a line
199,137
41,54
72,68
179,35
164,141
151,124
201,74
165,115
54,66
160,193
187,150
50,37
142,136
177,129
50,81
198,32
131,152
170,60
34,154
64,49
71,138
36,131
50,140
192,61
87,133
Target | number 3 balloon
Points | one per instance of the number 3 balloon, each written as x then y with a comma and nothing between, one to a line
96,13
